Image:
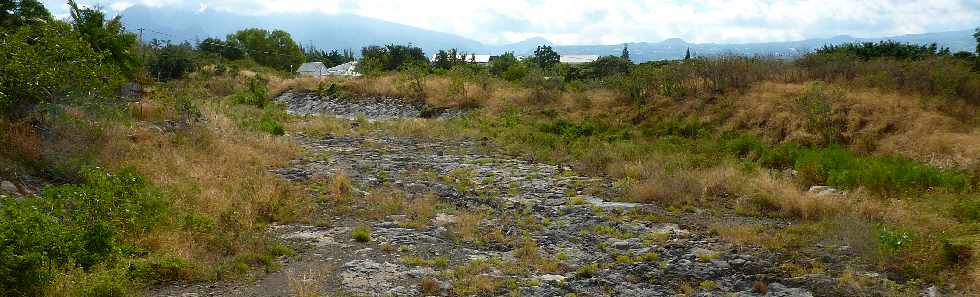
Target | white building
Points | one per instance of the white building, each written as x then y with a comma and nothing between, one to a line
318,69
578,59
312,69
346,69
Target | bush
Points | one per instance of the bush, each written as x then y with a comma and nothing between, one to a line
361,233
256,95
34,68
75,223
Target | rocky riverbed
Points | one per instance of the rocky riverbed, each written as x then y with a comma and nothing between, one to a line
536,230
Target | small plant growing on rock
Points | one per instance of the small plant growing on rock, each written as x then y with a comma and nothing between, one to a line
649,257
429,286
708,285
587,271
361,233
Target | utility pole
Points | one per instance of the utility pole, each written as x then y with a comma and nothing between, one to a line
141,34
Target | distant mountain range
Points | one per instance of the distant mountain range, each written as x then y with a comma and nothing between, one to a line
345,31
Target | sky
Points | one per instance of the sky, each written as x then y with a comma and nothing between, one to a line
570,22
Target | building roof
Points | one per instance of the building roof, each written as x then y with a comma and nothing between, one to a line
578,59
312,67
348,68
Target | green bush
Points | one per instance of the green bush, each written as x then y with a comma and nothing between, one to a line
34,68
256,94
839,167
75,223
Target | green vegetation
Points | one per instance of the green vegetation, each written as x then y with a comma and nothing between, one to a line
74,224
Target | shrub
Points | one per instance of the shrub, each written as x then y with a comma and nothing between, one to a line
255,95
361,233
34,68
74,223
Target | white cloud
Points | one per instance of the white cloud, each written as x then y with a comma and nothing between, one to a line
610,22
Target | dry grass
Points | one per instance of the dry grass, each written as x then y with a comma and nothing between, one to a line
467,226
872,121
381,203
320,126
340,184
420,211
218,172
764,194
528,255
20,141
308,283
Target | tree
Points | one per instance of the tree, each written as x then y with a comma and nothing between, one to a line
545,57
501,63
329,59
105,35
626,53
274,49
441,60
173,61
687,55
212,45
50,62
14,14
391,57
976,35
608,65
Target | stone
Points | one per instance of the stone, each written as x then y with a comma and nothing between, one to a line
551,278
8,187
444,219
823,190
622,245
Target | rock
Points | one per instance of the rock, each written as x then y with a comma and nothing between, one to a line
551,278
444,219
721,264
622,245
8,187
610,205
703,253
823,190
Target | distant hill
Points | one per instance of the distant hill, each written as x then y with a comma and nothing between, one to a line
324,31
344,31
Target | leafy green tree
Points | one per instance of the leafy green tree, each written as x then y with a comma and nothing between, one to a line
893,49
545,57
329,59
49,62
606,66
105,35
626,53
516,71
212,46
441,60
173,61
22,13
976,36
274,49
390,57
501,63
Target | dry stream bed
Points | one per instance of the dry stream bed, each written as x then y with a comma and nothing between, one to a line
451,217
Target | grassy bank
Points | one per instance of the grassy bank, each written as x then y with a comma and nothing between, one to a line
173,187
